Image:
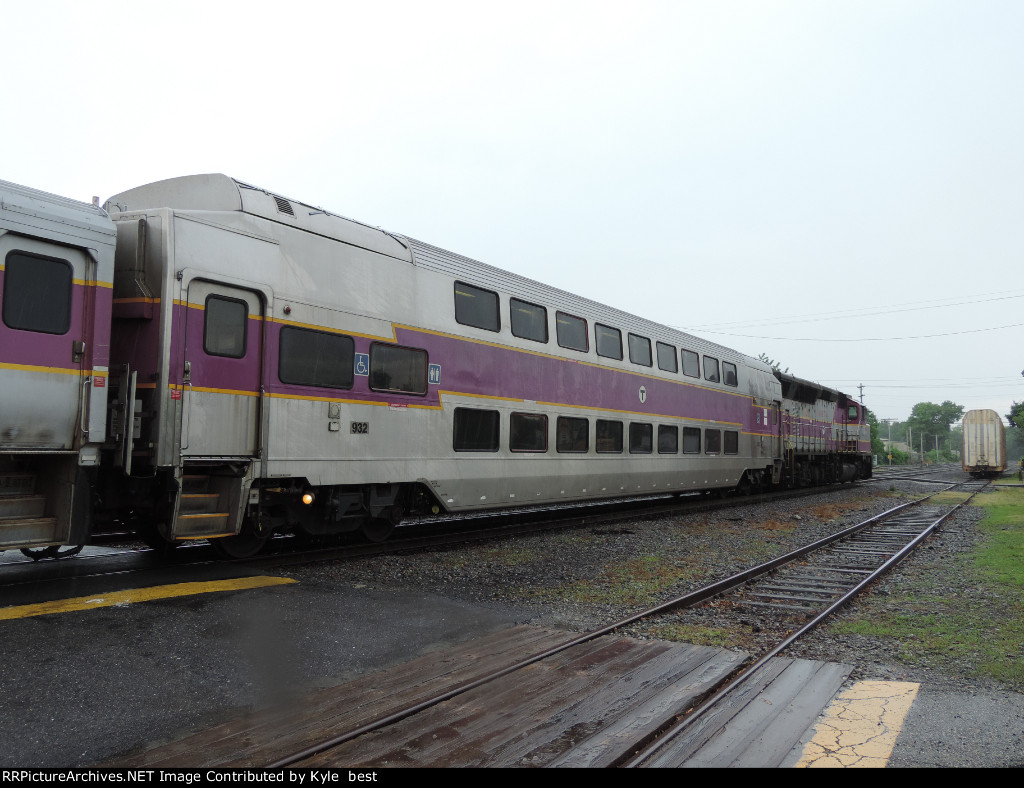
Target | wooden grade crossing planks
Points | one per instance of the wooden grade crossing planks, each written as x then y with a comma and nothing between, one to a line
582,707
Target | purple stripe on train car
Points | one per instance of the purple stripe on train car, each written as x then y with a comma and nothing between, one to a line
473,368
34,348
213,371
137,342
97,335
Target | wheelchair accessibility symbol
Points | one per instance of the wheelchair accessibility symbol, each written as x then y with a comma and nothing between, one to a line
363,364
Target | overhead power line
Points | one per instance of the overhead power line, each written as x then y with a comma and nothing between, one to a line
862,339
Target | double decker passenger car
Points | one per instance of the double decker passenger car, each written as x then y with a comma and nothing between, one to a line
295,368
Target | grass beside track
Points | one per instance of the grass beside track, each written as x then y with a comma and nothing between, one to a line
963,614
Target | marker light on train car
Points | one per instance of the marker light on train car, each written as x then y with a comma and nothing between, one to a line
307,498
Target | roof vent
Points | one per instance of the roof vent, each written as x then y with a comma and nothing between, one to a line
283,205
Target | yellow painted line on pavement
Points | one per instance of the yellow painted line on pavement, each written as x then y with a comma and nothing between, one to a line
860,726
133,595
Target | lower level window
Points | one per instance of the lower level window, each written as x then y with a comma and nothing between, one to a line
609,437
641,438
732,442
691,440
476,430
668,439
572,435
712,441
528,432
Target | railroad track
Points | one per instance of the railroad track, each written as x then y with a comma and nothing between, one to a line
286,550
812,582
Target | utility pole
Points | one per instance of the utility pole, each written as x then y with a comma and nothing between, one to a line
861,387
889,422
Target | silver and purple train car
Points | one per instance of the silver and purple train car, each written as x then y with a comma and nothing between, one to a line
984,449
275,366
56,283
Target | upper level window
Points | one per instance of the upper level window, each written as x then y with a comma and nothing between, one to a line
667,358
609,341
691,364
529,321
224,327
37,293
711,369
476,307
729,377
640,350
571,331
315,358
400,369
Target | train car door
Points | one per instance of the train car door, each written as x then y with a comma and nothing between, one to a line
43,336
222,371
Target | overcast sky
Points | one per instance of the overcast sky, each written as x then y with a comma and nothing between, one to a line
839,185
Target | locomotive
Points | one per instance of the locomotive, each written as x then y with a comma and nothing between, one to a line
206,360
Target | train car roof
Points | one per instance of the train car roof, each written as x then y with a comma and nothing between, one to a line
58,218
216,192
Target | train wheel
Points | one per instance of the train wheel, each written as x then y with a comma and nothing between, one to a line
377,529
250,541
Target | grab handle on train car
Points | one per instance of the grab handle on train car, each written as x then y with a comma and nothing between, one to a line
186,420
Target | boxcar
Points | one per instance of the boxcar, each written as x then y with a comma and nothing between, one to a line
984,450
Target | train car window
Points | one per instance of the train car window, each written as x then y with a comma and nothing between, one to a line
528,432
529,321
571,332
691,440
476,430
641,438
667,358
711,369
851,414
572,435
712,441
400,369
729,377
476,307
668,439
640,350
37,293
224,326
609,437
315,358
732,442
691,364
609,341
